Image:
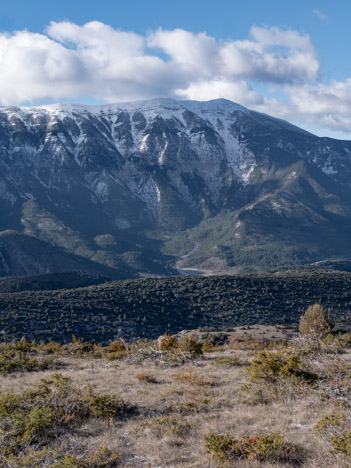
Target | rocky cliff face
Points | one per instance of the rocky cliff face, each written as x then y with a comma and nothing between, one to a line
139,187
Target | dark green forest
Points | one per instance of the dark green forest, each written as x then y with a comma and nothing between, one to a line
147,308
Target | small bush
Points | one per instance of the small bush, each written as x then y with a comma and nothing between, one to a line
341,443
115,350
277,375
227,448
273,367
327,422
100,458
337,343
22,356
193,379
335,429
167,342
189,344
229,362
315,323
167,426
147,378
38,415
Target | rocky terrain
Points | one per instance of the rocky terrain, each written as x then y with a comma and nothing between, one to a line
148,187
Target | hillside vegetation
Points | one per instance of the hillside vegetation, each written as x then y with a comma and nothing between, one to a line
145,308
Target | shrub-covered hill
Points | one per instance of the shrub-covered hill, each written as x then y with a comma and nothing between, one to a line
148,307
50,281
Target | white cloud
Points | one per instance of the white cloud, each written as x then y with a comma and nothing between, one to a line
70,61
272,54
321,16
319,105
237,91
95,59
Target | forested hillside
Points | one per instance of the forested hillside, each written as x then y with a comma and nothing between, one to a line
152,306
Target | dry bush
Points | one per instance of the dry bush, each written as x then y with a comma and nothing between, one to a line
147,378
191,345
192,378
166,342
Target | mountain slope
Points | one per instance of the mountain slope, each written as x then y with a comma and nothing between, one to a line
22,255
142,186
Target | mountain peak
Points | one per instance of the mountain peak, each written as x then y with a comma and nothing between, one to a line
213,105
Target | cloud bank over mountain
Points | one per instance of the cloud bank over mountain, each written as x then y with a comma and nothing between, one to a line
70,61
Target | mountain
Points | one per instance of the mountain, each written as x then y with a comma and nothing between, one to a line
141,188
23,255
49,281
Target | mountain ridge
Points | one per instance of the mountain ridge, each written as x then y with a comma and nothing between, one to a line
134,186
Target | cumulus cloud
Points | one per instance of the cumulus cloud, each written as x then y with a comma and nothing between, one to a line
320,105
272,54
70,61
237,91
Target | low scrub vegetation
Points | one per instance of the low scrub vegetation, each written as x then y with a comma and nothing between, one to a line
197,399
33,418
227,449
146,308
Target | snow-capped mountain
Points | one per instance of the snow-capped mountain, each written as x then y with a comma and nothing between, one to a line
141,186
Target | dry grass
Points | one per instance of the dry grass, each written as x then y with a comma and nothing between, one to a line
178,406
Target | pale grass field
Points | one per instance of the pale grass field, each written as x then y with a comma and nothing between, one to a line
210,402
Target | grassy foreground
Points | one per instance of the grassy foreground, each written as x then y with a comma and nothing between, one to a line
253,400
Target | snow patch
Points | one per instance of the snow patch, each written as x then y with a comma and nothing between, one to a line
162,154
143,144
328,169
101,190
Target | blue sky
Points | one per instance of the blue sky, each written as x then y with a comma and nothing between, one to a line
288,59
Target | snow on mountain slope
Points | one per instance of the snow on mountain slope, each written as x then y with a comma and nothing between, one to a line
127,169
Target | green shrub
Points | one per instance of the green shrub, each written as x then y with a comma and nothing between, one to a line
335,429
337,343
99,458
229,362
273,367
227,448
315,323
40,414
166,426
327,422
167,342
277,375
22,356
341,443
189,344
